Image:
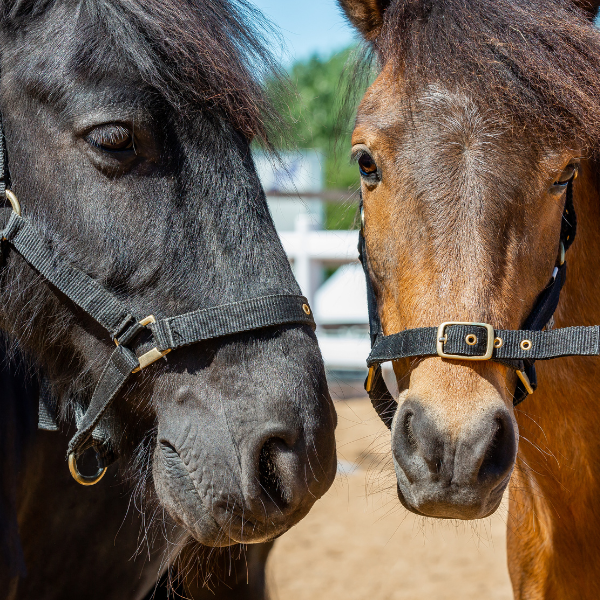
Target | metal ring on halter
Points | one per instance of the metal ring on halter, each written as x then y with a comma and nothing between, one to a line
85,479
14,202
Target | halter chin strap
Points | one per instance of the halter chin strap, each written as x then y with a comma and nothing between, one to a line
139,342
518,349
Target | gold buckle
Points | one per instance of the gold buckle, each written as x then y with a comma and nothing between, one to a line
442,338
152,355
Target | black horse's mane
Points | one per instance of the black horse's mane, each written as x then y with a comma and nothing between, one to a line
538,63
200,54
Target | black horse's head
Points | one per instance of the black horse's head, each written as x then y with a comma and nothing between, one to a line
127,129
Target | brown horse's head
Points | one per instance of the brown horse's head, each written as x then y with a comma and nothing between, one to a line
465,140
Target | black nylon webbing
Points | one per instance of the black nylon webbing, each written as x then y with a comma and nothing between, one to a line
80,288
568,341
4,174
115,374
246,315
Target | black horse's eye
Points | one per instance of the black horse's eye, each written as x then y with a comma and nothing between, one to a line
567,175
111,138
367,165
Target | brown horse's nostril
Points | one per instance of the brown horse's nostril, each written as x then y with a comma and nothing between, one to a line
500,452
408,430
418,447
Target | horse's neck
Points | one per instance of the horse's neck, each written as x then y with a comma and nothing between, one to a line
18,423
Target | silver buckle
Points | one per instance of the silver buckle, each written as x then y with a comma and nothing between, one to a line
442,338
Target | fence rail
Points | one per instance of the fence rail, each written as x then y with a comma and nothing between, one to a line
330,196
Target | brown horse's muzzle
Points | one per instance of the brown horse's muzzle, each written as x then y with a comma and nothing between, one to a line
453,455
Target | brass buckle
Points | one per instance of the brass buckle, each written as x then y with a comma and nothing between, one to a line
442,338
14,202
152,355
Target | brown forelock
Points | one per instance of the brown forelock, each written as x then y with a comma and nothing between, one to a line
537,63
461,226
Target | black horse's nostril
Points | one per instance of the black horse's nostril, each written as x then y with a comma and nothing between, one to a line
269,472
501,449
284,472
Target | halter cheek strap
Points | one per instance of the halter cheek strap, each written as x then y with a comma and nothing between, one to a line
518,349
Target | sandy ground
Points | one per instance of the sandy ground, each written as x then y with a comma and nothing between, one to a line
358,543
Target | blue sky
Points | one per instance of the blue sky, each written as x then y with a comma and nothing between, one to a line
307,26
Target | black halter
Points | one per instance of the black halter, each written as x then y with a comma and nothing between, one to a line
132,352
518,349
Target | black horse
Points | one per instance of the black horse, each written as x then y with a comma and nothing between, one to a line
127,126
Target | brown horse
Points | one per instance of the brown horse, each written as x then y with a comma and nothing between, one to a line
468,143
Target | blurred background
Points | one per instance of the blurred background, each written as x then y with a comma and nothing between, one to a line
313,192
357,542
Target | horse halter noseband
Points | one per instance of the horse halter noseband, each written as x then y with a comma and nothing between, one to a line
453,340
131,353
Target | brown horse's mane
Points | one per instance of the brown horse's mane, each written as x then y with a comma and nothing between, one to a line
536,63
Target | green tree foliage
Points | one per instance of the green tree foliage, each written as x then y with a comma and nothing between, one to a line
317,120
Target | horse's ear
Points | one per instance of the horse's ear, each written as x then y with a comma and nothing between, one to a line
366,15
589,7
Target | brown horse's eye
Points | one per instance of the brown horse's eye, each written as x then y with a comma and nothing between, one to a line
111,138
567,175
367,165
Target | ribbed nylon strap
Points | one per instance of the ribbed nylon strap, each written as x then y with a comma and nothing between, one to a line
4,173
115,374
80,288
218,321
543,345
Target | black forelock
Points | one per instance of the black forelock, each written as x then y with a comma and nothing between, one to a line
197,54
